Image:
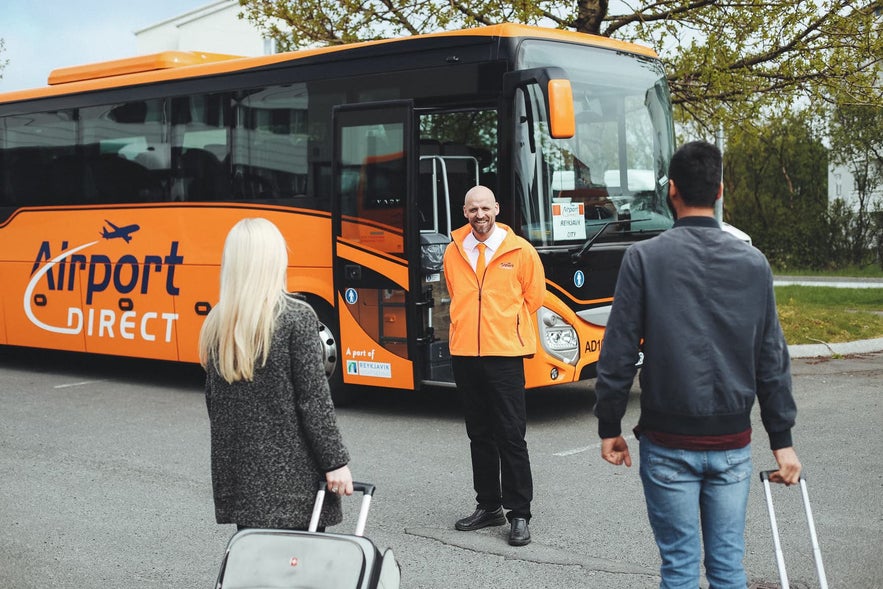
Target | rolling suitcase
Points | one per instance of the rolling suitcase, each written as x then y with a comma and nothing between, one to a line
263,558
780,559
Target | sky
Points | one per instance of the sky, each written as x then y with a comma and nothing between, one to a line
42,35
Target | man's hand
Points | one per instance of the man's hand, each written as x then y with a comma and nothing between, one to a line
616,451
789,466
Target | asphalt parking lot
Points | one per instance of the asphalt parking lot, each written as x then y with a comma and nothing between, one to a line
106,483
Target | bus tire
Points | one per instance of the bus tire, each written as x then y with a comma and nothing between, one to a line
329,335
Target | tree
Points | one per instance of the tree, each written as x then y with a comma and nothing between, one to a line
775,189
729,62
857,143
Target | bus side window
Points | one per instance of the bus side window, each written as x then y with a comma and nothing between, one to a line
126,152
205,176
270,141
32,144
200,147
69,183
28,184
118,179
5,192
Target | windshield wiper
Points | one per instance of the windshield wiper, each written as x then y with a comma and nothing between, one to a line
577,256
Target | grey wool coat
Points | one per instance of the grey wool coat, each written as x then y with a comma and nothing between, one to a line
274,438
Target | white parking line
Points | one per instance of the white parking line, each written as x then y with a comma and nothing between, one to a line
587,448
75,384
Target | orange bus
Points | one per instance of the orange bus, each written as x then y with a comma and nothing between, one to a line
120,180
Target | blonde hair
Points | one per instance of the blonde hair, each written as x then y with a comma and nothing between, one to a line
238,330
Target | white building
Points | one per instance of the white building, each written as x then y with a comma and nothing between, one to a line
841,185
214,28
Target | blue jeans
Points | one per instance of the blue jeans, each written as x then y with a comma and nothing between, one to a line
684,487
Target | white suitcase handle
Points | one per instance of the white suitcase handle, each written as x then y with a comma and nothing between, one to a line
367,490
780,558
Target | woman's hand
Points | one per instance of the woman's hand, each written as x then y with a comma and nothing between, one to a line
340,481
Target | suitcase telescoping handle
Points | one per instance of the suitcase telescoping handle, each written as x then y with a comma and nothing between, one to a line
367,490
780,558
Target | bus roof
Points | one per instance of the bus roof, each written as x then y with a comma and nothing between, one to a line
173,65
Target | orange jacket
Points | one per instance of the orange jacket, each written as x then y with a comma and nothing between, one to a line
494,316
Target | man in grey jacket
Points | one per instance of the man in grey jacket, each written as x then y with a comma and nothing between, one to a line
701,306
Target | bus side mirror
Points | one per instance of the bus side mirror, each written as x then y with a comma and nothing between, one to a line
562,123
557,93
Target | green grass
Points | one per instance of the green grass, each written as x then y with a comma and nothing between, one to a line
814,314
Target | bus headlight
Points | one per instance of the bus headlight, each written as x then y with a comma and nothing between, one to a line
557,336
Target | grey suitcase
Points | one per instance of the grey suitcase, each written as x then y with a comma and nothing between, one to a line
780,558
265,559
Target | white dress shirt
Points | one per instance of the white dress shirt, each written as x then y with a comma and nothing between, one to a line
492,243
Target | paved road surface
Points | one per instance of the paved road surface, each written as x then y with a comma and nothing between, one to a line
104,483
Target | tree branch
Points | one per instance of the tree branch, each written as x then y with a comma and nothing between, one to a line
645,15
400,18
782,49
469,13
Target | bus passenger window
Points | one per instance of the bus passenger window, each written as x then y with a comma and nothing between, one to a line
126,153
204,176
32,146
118,179
270,143
200,136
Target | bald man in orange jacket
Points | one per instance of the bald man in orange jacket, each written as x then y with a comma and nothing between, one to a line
496,282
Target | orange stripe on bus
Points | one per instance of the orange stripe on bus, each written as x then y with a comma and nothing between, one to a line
564,292
393,268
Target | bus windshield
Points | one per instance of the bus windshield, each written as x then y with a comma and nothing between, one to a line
607,182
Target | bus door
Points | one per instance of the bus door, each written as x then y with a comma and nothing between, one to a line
381,305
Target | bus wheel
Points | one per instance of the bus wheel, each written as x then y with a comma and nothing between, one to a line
340,393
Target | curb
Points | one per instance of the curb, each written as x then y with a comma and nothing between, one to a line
841,349
837,282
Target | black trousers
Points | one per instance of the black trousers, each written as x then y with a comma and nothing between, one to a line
492,396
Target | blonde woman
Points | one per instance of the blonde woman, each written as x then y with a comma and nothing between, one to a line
273,429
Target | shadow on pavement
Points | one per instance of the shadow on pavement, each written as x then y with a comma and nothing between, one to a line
95,366
543,404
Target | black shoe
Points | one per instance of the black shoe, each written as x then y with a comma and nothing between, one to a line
519,535
482,518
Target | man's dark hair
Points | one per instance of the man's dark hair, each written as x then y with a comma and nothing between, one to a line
696,171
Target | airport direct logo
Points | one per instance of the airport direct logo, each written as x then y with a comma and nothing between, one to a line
125,275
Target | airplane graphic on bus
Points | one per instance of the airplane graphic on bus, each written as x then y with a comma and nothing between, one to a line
123,232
